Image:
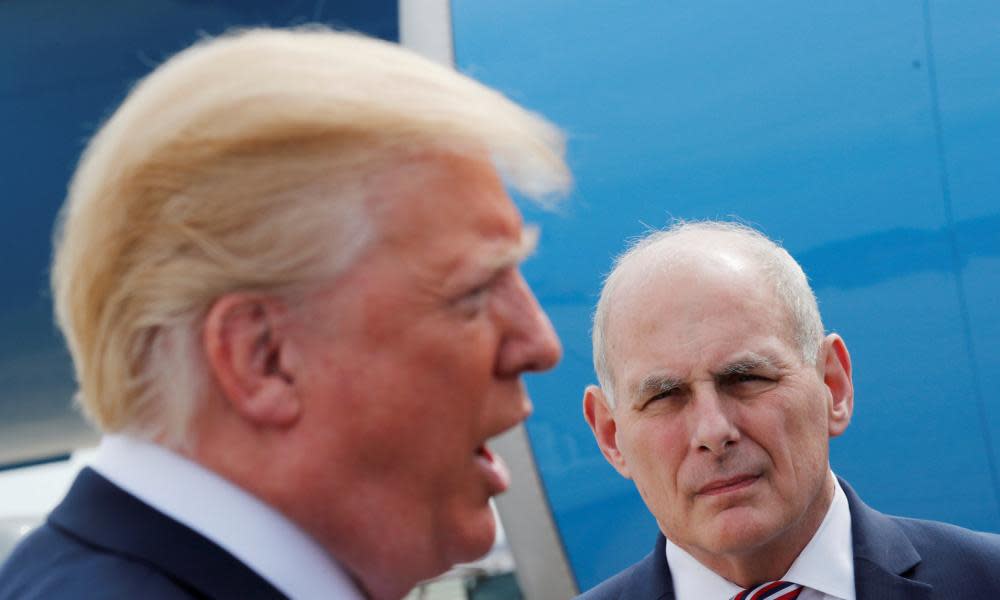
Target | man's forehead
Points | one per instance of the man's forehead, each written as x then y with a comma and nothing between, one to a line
394,175
685,257
440,196
643,289
684,300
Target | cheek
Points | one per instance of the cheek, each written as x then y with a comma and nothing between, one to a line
808,425
657,471
803,447
654,453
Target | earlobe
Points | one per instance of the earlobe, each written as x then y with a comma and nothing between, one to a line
602,423
837,378
245,345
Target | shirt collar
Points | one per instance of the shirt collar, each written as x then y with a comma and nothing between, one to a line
826,564
249,529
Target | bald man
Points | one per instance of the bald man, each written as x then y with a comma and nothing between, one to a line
718,395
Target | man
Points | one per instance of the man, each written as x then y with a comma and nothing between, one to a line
718,395
287,271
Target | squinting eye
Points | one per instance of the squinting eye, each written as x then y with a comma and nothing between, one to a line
477,293
471,302
660,396
749,382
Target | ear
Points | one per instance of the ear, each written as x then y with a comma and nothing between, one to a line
836,368
601,419
247,351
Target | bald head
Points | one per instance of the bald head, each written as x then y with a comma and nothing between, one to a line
696,255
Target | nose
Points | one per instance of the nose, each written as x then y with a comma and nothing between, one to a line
713,429
529,341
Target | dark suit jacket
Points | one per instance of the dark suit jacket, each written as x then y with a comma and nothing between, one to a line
894,558
102,542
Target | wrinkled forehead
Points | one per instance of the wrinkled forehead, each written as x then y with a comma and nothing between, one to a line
687,282
449,212
426,187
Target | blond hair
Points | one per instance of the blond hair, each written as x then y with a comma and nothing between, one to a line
241,164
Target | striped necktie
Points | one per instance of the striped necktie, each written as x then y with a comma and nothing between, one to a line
772,590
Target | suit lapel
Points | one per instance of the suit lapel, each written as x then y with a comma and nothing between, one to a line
883,554
651,580
105,515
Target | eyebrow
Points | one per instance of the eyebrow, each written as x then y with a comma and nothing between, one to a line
495,259
657,383
749,364
517,253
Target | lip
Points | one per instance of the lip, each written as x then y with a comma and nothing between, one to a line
729,485
494,469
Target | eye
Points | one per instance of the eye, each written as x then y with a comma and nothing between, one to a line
749,383
661,395
473,301
663,398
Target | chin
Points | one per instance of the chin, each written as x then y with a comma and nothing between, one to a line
475,536
738,537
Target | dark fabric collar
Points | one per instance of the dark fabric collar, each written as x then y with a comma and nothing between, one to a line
102,514
883,554
651,578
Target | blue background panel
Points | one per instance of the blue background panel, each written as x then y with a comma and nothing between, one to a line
966,41
824,126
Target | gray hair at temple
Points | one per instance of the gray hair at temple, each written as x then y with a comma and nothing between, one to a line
790,284
242,164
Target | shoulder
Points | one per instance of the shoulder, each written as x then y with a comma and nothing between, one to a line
942,543
959,560
614,587
53,564
648,579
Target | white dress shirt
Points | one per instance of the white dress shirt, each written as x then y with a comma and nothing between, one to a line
825,566
259,536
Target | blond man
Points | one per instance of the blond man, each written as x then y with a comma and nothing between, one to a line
287,272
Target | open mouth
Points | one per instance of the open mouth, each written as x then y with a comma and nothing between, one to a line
494,469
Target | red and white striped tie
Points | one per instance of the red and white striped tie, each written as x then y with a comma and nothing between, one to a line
772,590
